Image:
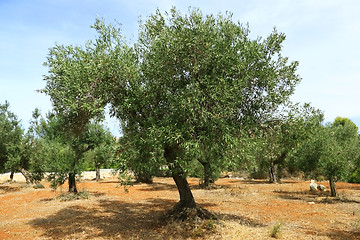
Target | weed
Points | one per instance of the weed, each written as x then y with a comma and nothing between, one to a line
275,231
125,181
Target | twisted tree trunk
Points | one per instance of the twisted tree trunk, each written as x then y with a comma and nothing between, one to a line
26,175
186,197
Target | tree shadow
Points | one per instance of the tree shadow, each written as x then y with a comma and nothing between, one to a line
159,186
266,181
342,234
6,189
111,219
313,196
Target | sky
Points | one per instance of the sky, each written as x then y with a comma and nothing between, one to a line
323,35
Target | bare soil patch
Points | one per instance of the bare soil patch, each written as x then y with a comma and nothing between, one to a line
246,210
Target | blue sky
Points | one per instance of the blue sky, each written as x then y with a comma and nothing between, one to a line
323,35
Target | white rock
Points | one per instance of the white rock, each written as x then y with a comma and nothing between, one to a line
313,185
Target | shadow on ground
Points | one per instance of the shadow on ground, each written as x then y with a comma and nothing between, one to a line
109,219
6,189
159,186
310,196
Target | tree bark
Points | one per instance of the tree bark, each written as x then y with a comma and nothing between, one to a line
97,178
186,197
332,186
72,183
26,174
12,175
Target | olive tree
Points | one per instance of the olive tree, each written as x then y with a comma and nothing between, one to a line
199,79
278,137
330,151
188,82
72,82
101,147
15,146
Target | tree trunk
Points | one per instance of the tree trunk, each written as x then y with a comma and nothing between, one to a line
332,186
72,183
186,197
273,173
97,178
12,175
26,175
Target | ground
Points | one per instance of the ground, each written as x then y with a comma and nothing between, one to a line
250,209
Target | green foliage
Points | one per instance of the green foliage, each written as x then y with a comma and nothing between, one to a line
11,139
125,180
331,151
274,141
59,160
101,147
141,157
354,176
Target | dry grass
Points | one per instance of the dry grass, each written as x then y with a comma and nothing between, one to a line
245,210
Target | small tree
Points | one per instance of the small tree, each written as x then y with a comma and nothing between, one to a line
330,152
73,85
15,147
101,147
57,152
279,137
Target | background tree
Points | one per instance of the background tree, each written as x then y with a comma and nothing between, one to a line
330,152
54,151
101,147
279,137
15,147
72,83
